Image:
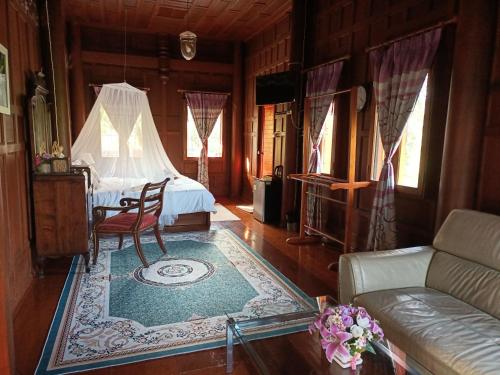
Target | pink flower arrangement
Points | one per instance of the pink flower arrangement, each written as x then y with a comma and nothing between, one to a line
346,331
44,158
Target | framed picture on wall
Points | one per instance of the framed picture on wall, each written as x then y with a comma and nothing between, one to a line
4,81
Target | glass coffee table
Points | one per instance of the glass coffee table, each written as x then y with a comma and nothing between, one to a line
301,352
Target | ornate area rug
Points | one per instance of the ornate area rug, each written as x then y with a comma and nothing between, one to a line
122,313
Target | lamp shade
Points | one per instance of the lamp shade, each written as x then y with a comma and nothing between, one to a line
188,44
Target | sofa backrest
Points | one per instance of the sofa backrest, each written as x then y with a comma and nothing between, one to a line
467,263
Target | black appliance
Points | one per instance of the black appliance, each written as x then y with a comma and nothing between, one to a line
267,197
275,88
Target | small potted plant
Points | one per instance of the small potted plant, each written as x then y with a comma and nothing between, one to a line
346,332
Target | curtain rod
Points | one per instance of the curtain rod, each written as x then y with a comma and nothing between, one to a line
418,32
335,93
204,92
100,85
342,58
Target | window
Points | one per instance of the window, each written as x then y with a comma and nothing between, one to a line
326,144
411,143
193,140
110,140
134,142
410,148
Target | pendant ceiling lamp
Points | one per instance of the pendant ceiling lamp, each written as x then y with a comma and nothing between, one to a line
188,40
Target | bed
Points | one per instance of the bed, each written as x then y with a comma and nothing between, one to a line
186,204
122,149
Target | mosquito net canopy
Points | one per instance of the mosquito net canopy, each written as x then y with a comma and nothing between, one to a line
119,140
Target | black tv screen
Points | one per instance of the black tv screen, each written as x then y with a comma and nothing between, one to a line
275,88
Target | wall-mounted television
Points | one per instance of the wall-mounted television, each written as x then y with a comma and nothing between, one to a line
275,88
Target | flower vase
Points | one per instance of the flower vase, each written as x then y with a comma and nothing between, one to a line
44,168
345,361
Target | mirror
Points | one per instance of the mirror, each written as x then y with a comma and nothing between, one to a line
40,117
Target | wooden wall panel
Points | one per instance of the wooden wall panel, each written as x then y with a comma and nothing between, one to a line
19,34
489,182
24,56
347,27
268,52
167,104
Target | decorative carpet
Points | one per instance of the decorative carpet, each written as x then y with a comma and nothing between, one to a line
123,313
222,214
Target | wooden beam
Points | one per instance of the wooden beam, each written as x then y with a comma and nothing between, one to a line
351,171
418,32
237,122
204,92
333,61
78,116
134,61
467,107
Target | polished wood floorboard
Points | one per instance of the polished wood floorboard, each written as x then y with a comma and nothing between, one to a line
306,266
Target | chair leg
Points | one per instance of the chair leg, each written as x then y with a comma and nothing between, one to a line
159,240
138,248
120,244
96,247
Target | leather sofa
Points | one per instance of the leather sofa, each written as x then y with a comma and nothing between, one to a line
441,303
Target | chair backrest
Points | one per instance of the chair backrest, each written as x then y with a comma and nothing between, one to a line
151,200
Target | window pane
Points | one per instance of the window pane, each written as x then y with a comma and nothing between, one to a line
215,139
110,140
135,140
378,153
193,140
411,143
327,142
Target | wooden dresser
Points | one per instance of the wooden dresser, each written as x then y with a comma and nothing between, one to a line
61,216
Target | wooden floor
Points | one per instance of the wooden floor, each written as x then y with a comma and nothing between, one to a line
306,266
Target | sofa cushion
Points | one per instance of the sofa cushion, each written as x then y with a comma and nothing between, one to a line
444,334
471,235
468,281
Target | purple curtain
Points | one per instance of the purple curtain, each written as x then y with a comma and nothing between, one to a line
321,82
398,74
205,109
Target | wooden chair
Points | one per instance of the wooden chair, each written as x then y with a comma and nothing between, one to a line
148,206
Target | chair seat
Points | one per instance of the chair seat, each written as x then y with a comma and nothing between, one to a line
124,222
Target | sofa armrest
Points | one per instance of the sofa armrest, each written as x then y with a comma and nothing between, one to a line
371,271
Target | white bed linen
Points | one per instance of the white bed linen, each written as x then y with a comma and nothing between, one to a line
182,196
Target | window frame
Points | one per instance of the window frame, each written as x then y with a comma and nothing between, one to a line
185,133
424,154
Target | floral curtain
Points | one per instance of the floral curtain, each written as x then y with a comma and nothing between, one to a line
321,82
205,108
398,74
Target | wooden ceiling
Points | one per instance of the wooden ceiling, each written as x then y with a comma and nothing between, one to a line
211,19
